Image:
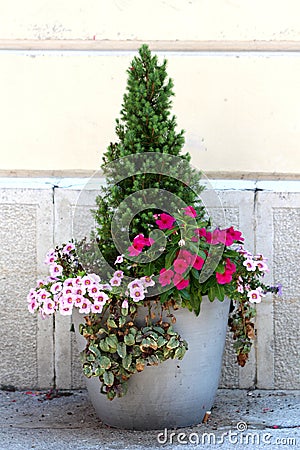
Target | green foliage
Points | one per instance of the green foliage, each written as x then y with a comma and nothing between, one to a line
145,125
116,354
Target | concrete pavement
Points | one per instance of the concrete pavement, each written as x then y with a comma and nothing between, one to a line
66,421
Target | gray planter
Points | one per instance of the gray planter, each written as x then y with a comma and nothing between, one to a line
175,393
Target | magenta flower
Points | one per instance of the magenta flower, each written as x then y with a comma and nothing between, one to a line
232,235
230,266
165,221
190,211
224,278
180,265
180,282
165,276
198,263
201,232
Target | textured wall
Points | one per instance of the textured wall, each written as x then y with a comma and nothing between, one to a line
234,63
34,353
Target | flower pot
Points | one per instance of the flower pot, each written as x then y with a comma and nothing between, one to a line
174,393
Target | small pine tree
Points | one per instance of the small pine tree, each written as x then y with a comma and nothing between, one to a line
146,126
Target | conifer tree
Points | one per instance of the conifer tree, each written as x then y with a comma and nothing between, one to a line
146,125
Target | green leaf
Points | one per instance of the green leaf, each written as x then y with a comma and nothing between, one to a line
121,349
195,273
161,341
173,342
122,321
95,350
111,323
112,341
108,378
104,362
180,352
170,257
211,294
129,339
104,345
126,363
220,292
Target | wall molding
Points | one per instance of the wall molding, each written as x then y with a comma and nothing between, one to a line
155,45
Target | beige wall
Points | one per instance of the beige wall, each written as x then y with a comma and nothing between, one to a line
240,109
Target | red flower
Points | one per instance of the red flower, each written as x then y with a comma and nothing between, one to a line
165,221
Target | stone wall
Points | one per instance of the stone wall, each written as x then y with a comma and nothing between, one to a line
36,214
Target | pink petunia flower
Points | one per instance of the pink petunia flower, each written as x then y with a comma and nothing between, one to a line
262,266
101,298
255,296
96,308
180,282
190,211
65,309
33,305
232,235
78,300
119,274
137,294
85,307
165,276
68,248
125,304
180,265
165,221
49,306
250,265
56,287
147,281
119,259
201,232
115,281
55,270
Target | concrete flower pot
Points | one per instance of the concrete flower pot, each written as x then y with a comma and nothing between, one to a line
174,393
